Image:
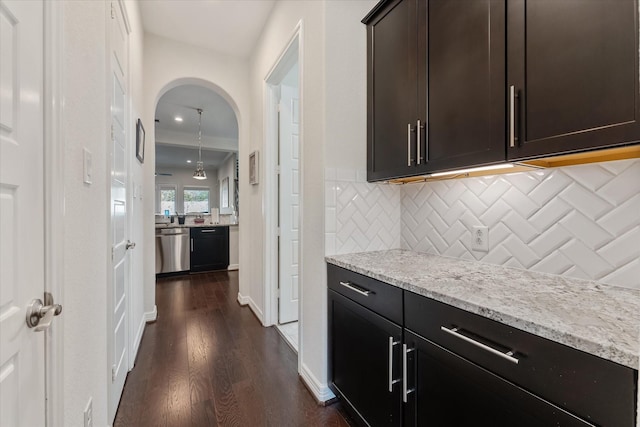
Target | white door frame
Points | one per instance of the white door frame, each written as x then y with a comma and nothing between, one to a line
54,208
283,63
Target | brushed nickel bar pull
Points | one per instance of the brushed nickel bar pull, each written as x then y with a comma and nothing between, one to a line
192,244
405,391
512,116
418,142
508,355
392,343
354,289
408,144
208,231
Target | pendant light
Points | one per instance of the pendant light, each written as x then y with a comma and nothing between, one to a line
200,173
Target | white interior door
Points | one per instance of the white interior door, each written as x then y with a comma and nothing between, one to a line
119,319
289,199
22,363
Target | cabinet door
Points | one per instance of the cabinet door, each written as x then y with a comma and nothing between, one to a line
210,249
392,91
574,68
451,391
466,89
359,361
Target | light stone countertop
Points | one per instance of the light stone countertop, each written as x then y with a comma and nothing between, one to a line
204,224
596,318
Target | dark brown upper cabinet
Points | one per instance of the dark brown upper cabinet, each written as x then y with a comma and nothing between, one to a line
573,66
393,90
436,86
454,84
466,90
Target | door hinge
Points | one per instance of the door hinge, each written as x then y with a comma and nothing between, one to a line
111,133
278,293
113,12
113,373
278,170
113,253
278,231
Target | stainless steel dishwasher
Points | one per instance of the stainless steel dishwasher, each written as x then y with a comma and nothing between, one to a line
173,252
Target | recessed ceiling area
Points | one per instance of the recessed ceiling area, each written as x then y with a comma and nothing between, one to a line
231,27
177,141
168,156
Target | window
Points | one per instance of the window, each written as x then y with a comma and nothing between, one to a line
167,200
196,199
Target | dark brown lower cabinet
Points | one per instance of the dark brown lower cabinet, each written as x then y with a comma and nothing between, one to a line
397,358
360,346
448,390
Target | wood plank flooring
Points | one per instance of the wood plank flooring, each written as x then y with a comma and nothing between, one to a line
207,361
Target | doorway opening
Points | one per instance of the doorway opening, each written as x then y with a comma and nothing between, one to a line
196,147
284,192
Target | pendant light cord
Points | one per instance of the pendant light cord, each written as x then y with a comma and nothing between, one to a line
199,134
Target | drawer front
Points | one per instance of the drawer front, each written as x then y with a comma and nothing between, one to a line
207,231
377,296
600,391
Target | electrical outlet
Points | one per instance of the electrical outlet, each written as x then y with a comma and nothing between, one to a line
480,238
88,414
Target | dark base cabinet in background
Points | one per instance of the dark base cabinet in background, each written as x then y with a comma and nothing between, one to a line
209,248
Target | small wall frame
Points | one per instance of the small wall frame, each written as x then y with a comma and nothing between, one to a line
140,141
254,168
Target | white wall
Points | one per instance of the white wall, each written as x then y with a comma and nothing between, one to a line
333,110
168,64
86,211
86,260
183,177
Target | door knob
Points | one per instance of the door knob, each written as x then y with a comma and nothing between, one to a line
130,245
39,316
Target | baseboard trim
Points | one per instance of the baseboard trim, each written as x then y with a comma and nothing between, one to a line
246,300
321,392
138,339
233,267
151,316
243,300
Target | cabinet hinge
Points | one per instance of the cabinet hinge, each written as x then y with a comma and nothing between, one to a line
113,12
113,373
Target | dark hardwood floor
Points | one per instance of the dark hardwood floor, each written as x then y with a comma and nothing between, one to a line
207,361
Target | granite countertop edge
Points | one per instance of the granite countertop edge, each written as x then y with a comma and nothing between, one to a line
611,351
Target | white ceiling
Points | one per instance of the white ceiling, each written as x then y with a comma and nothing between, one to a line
231,27
177,142
218,118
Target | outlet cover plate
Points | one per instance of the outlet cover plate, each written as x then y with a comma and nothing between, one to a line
480,238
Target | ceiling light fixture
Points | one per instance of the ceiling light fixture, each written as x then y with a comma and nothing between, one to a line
188,161
478,169
200,173
178,119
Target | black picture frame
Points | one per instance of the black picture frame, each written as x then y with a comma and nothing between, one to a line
140,141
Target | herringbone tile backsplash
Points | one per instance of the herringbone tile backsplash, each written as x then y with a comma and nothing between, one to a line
360,216
580,221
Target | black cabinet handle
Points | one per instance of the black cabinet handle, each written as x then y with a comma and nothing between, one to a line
505,355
